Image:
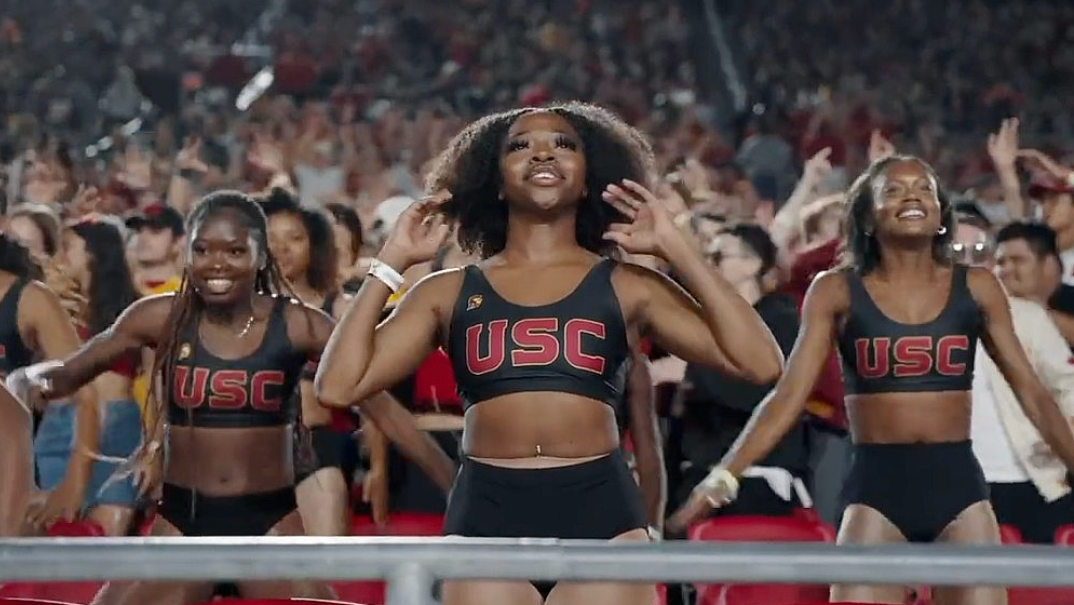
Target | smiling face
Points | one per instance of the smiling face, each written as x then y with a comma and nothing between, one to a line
224,258
906,201
543,165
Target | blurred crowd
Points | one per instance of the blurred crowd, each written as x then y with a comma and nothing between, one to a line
125,113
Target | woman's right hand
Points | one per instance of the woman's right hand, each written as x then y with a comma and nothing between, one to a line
27,384
375,494
149,472
419,233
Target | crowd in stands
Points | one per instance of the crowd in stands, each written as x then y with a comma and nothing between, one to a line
366,92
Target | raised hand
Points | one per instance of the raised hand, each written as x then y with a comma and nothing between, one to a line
267,154
879,146
651,230
818,166
189,157
418,234
1041,163
87,200
1003,144
136,172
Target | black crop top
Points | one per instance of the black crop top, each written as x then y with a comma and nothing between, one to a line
883,356
251,391
576,345
14,353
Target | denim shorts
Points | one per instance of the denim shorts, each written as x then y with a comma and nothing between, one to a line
121,434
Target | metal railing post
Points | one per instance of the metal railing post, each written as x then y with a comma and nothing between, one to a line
410,584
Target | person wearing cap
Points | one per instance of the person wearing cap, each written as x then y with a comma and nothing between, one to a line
156,246
1053,188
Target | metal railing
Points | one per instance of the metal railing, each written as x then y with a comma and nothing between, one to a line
411,565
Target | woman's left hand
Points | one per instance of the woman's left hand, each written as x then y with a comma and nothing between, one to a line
652,229
64,502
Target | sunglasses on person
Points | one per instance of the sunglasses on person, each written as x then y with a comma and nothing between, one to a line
971,254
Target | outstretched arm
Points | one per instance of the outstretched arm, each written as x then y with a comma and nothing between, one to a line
138,326
777,413
1002,344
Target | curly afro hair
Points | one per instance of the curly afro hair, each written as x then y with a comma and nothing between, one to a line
470,169
862,252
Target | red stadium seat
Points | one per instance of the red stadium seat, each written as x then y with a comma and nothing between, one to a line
748,528
661,594
434,383
373,593
399,524
1064,536
294,601
21,601
760,594
1040,596
75,529
1009,534
76,593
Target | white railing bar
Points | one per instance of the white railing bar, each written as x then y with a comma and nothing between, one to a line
451,558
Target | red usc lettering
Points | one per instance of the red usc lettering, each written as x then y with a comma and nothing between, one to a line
876,364
228,389
910,356
576,328
913,356
945,348
477,364
534,342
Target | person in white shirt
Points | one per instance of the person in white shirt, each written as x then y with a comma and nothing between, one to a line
1029,485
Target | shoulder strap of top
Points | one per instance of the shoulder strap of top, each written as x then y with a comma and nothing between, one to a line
855,287
10,302
598,276
958,278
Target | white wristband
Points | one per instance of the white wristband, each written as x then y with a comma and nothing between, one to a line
387,275
720,477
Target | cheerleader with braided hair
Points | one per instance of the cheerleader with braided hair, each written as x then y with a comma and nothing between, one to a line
231,347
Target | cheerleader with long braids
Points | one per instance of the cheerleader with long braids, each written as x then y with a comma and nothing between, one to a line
220,440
